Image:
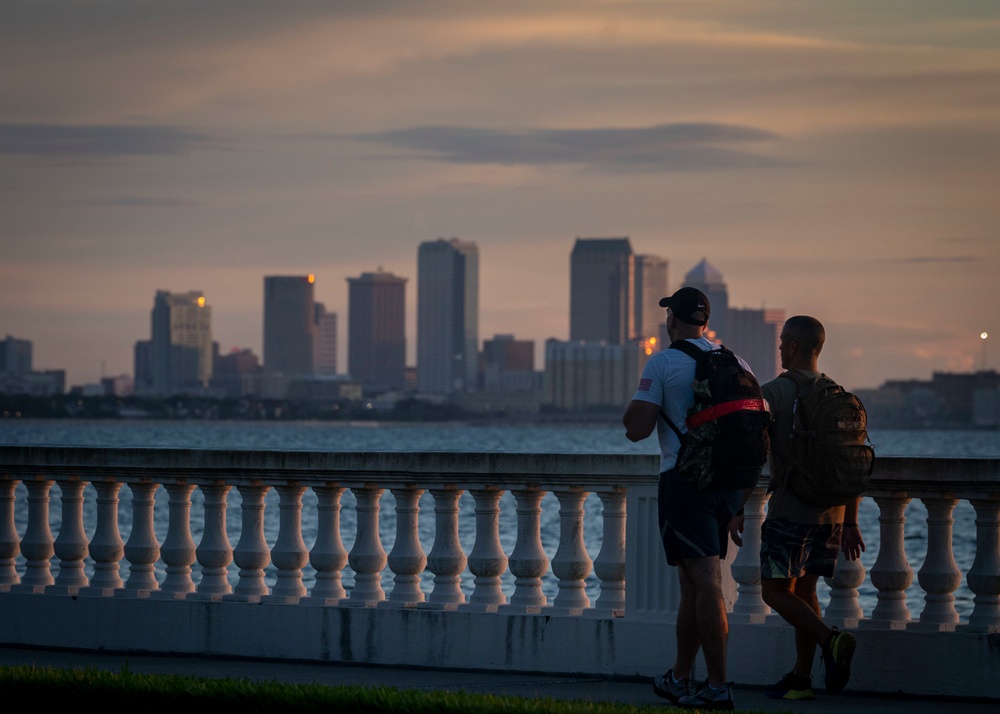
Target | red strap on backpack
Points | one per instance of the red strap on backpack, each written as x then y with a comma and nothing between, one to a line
720,410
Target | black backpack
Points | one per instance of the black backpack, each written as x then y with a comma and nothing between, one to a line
830,459
727,440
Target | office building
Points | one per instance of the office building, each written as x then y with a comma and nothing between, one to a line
376,325
602,291
709,280
15,356
447,316
324,341
753,334
508,364
289,325
179,354
587,376
650,286
237,374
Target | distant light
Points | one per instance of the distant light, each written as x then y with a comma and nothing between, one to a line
984,335
201,301
311,278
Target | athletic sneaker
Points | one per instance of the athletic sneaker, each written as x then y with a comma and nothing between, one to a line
664,686
837,654
708,697
791,686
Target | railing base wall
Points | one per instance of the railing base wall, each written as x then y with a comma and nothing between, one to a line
887,661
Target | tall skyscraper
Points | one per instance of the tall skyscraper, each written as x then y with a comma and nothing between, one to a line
602,291
178,356
650,286
709,280
376,343
447,316
325,341
753,334
289,325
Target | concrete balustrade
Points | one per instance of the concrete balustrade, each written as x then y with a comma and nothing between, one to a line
409,606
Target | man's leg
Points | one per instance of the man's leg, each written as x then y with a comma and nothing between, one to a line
780,594
688,639
710,614
805,644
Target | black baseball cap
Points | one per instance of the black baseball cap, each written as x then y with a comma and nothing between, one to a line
688,305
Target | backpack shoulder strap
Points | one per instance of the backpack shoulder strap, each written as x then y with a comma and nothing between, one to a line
687,348
694,353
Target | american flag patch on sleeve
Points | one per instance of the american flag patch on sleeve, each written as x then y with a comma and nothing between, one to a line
645,384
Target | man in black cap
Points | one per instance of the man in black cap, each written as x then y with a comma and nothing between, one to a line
693,522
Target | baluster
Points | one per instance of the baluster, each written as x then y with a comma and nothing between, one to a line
142,550
891,574
178,550
749,606
10,546
447,560
407,559
214,552
289,553
983,576
844,610
71,543
487,561
939,576
571,564
367,558
528,561
106,547
37,545
251,554
328,555
610,563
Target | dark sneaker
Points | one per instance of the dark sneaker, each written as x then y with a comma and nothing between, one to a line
664,686
791,686
708,697
837,654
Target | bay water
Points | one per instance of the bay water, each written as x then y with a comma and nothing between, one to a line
587,438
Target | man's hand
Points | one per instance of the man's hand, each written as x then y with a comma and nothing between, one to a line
736,530
852,543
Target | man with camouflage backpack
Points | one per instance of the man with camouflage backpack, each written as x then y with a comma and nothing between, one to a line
817,475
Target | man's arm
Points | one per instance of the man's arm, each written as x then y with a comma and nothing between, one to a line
852,543
640,419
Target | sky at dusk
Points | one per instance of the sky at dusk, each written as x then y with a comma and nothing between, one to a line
834,158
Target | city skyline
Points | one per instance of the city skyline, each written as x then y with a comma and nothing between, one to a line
838,159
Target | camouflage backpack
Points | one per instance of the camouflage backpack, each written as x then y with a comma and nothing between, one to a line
830,456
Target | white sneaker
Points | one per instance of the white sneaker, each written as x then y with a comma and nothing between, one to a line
708,697
664,686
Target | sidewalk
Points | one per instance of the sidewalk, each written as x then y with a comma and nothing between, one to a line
518,685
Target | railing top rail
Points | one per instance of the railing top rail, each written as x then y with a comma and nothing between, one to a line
386,467
916,475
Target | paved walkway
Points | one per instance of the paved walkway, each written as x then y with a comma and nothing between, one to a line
521,685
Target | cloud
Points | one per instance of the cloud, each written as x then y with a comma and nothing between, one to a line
139,202
64,140
665,147
933,259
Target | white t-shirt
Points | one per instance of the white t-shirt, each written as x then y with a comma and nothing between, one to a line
666,381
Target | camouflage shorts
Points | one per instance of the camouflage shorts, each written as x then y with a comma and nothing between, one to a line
791,550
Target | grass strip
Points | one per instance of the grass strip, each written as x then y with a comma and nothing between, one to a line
80,689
